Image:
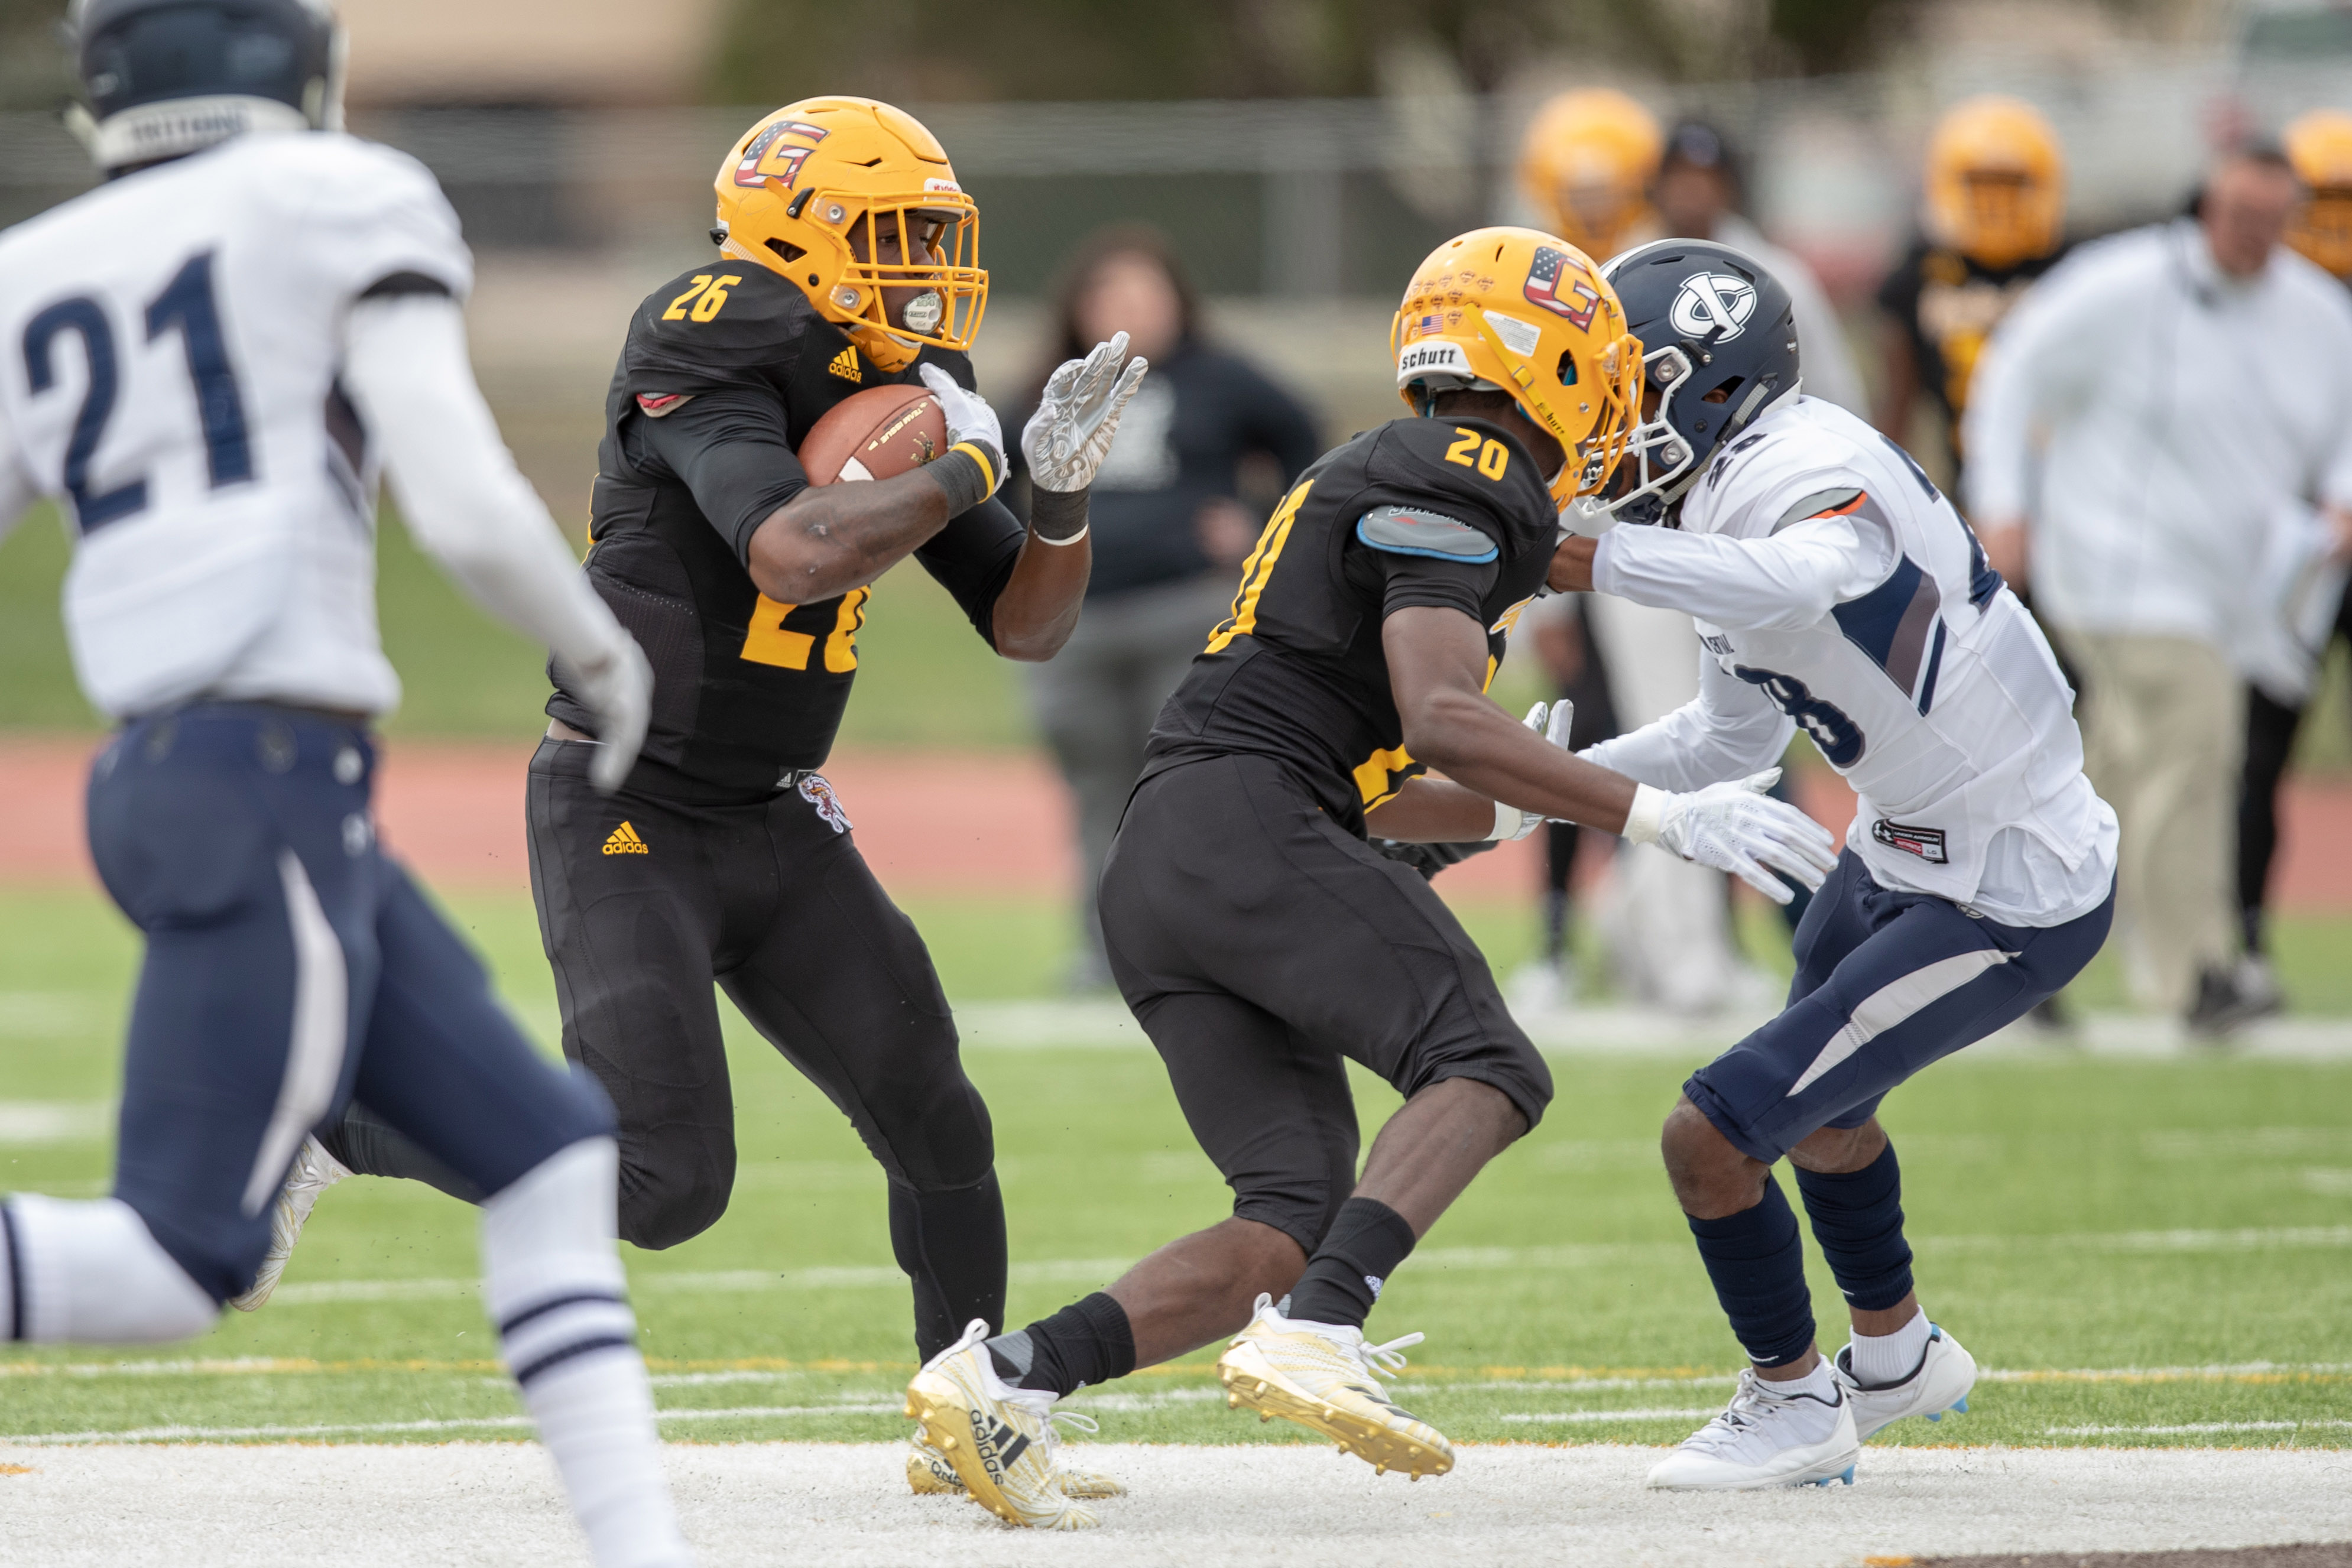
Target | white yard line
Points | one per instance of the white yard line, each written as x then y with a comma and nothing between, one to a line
1299,1505
393,1428
1599,1418
2187,1428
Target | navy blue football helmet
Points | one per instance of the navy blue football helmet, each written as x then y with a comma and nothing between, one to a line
1718,348
165,78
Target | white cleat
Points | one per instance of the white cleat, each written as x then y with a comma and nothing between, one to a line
1765,1439
998,1439
929,1474
314,1171
1326,1378
1939,1383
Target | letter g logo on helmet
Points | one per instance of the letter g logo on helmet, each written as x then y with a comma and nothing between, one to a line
1714,306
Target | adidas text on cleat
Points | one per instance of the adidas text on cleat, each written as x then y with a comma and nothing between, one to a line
1940,1383
1765,1439
314,1171
929,1474
1327,1379
998,1439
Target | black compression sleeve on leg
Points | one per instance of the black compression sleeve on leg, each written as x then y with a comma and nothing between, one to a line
951,1245
1758,1265
1360,1250
1858,1219
1089,1341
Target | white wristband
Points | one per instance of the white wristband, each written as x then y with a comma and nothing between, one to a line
1508,822
1647,815
1071,541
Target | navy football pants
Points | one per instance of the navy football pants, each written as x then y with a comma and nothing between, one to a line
290,967
1888,982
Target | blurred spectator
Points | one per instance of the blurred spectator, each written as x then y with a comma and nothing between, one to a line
1168,524
1995,216
2319,145
1697,195
1586,163
2192,383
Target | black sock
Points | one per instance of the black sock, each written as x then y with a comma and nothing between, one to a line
1360,1250
367,1145
1086,1341
951,1245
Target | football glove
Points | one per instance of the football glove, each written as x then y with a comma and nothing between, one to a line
1068,438
969,419
1735,827
1552,721
618,687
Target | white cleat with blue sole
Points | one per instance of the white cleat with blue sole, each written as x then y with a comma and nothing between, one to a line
1940,1384
1765,1438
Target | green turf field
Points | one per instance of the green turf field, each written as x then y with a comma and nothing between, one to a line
2076,1219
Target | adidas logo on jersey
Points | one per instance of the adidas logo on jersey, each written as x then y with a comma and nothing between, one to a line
845,365
624,841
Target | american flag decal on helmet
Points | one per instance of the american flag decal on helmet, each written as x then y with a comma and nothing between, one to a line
1550,286
747,171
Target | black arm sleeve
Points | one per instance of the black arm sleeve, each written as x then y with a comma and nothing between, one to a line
1414,579
732,449
973,558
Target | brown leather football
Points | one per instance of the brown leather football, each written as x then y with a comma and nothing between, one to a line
878,433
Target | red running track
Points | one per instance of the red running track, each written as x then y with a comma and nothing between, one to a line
930,822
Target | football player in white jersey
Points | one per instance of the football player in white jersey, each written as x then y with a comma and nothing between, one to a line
1836,591
206,361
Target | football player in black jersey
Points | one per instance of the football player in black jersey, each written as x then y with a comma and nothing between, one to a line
847,260
1262,942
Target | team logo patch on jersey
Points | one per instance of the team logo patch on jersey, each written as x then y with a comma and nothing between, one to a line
1928,843
1714,306
845,365
1550,286
818,794
625,841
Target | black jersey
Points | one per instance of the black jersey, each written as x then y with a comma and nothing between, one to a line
724,371
1948,305
1419,512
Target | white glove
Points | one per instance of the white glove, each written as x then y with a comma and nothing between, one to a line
1735,827
1552,721
1068,438
968,418
618,687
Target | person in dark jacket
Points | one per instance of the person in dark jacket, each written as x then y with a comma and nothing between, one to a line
1170,528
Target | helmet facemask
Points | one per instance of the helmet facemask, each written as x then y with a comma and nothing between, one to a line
920,279
1665,461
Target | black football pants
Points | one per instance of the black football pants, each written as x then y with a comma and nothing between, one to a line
643,901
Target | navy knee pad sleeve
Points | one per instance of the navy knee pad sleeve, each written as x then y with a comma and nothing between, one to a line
1857,1217
1758,1265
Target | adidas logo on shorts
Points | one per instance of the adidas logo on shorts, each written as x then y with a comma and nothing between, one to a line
624,841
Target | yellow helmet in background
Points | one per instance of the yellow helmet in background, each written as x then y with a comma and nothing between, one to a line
1996,182
1529,314
1587,162
806,180
2319,145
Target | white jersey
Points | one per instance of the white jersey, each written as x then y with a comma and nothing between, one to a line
169,348
1836,590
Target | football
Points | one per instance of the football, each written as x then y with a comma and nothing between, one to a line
878,433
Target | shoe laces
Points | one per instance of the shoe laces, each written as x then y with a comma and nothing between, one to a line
1385,1360
1737,1419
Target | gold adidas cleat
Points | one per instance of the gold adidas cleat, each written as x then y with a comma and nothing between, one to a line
998,1440
1327,1379
929,1474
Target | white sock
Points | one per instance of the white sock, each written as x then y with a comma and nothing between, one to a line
1820,1383
1877,1360
91,1273
555,1288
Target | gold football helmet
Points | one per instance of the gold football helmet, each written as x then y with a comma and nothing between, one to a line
2319,145
1996,182
1527,313
1587,162
855,201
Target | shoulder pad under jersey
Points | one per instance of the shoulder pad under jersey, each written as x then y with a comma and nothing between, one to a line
680,342
1416,530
